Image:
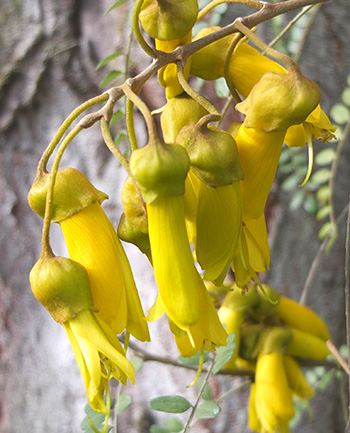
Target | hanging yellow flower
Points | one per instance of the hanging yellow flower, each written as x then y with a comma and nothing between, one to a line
62,286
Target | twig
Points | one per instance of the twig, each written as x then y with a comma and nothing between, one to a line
347,301
335,352
317,260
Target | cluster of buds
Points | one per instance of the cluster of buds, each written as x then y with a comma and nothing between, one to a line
272,334
194,199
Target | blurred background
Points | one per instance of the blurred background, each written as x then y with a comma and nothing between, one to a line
49,51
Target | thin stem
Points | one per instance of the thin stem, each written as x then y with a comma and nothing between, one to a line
236,38
46,248
199,396
65,125
290,25
136,28
317,260
347,299
306,31
334,170
106,133
335,352
130,124
193,94
151,126
286,60
253,3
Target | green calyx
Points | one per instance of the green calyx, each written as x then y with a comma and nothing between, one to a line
133,205
279,101
264,307
213,154
127,232
274,339
179,112
159,169
61,286
168,19
72,193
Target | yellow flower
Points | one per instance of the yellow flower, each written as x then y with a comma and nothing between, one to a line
93,242
247,66
273,397
99,354
259,154
214,223
182,293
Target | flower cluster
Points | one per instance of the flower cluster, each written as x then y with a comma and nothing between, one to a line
271,333
194,205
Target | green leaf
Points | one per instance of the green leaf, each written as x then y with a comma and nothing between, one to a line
224,353
157,429
115,5
321,176
170,404
297,200
110,77
325,380
116,116
108,59
325,229
120,137
310,204
207,394
323,213
209,409
325,157
323,194
340,113
124,401
345,96
290,183
173,425
193,360
137,362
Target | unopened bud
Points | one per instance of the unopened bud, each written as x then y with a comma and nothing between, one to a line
62,286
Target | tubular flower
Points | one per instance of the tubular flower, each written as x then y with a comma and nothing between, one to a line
273,398
182,293
217,224
62,286
93,242
259,154
99,354
247,67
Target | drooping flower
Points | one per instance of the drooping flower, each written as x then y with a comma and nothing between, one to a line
253,253
247,66
259,154
62,286
182,293
160,171
213,217
92,241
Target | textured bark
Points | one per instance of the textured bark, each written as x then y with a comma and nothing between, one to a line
48,53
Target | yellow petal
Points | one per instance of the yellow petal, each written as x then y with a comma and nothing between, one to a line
177,278
87,234
255,233
253,419
259,153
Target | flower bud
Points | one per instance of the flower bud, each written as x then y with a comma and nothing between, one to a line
133,205
127,232
62,286
279,101
159,169
179,112
208,62
72,192
213,154
167,20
